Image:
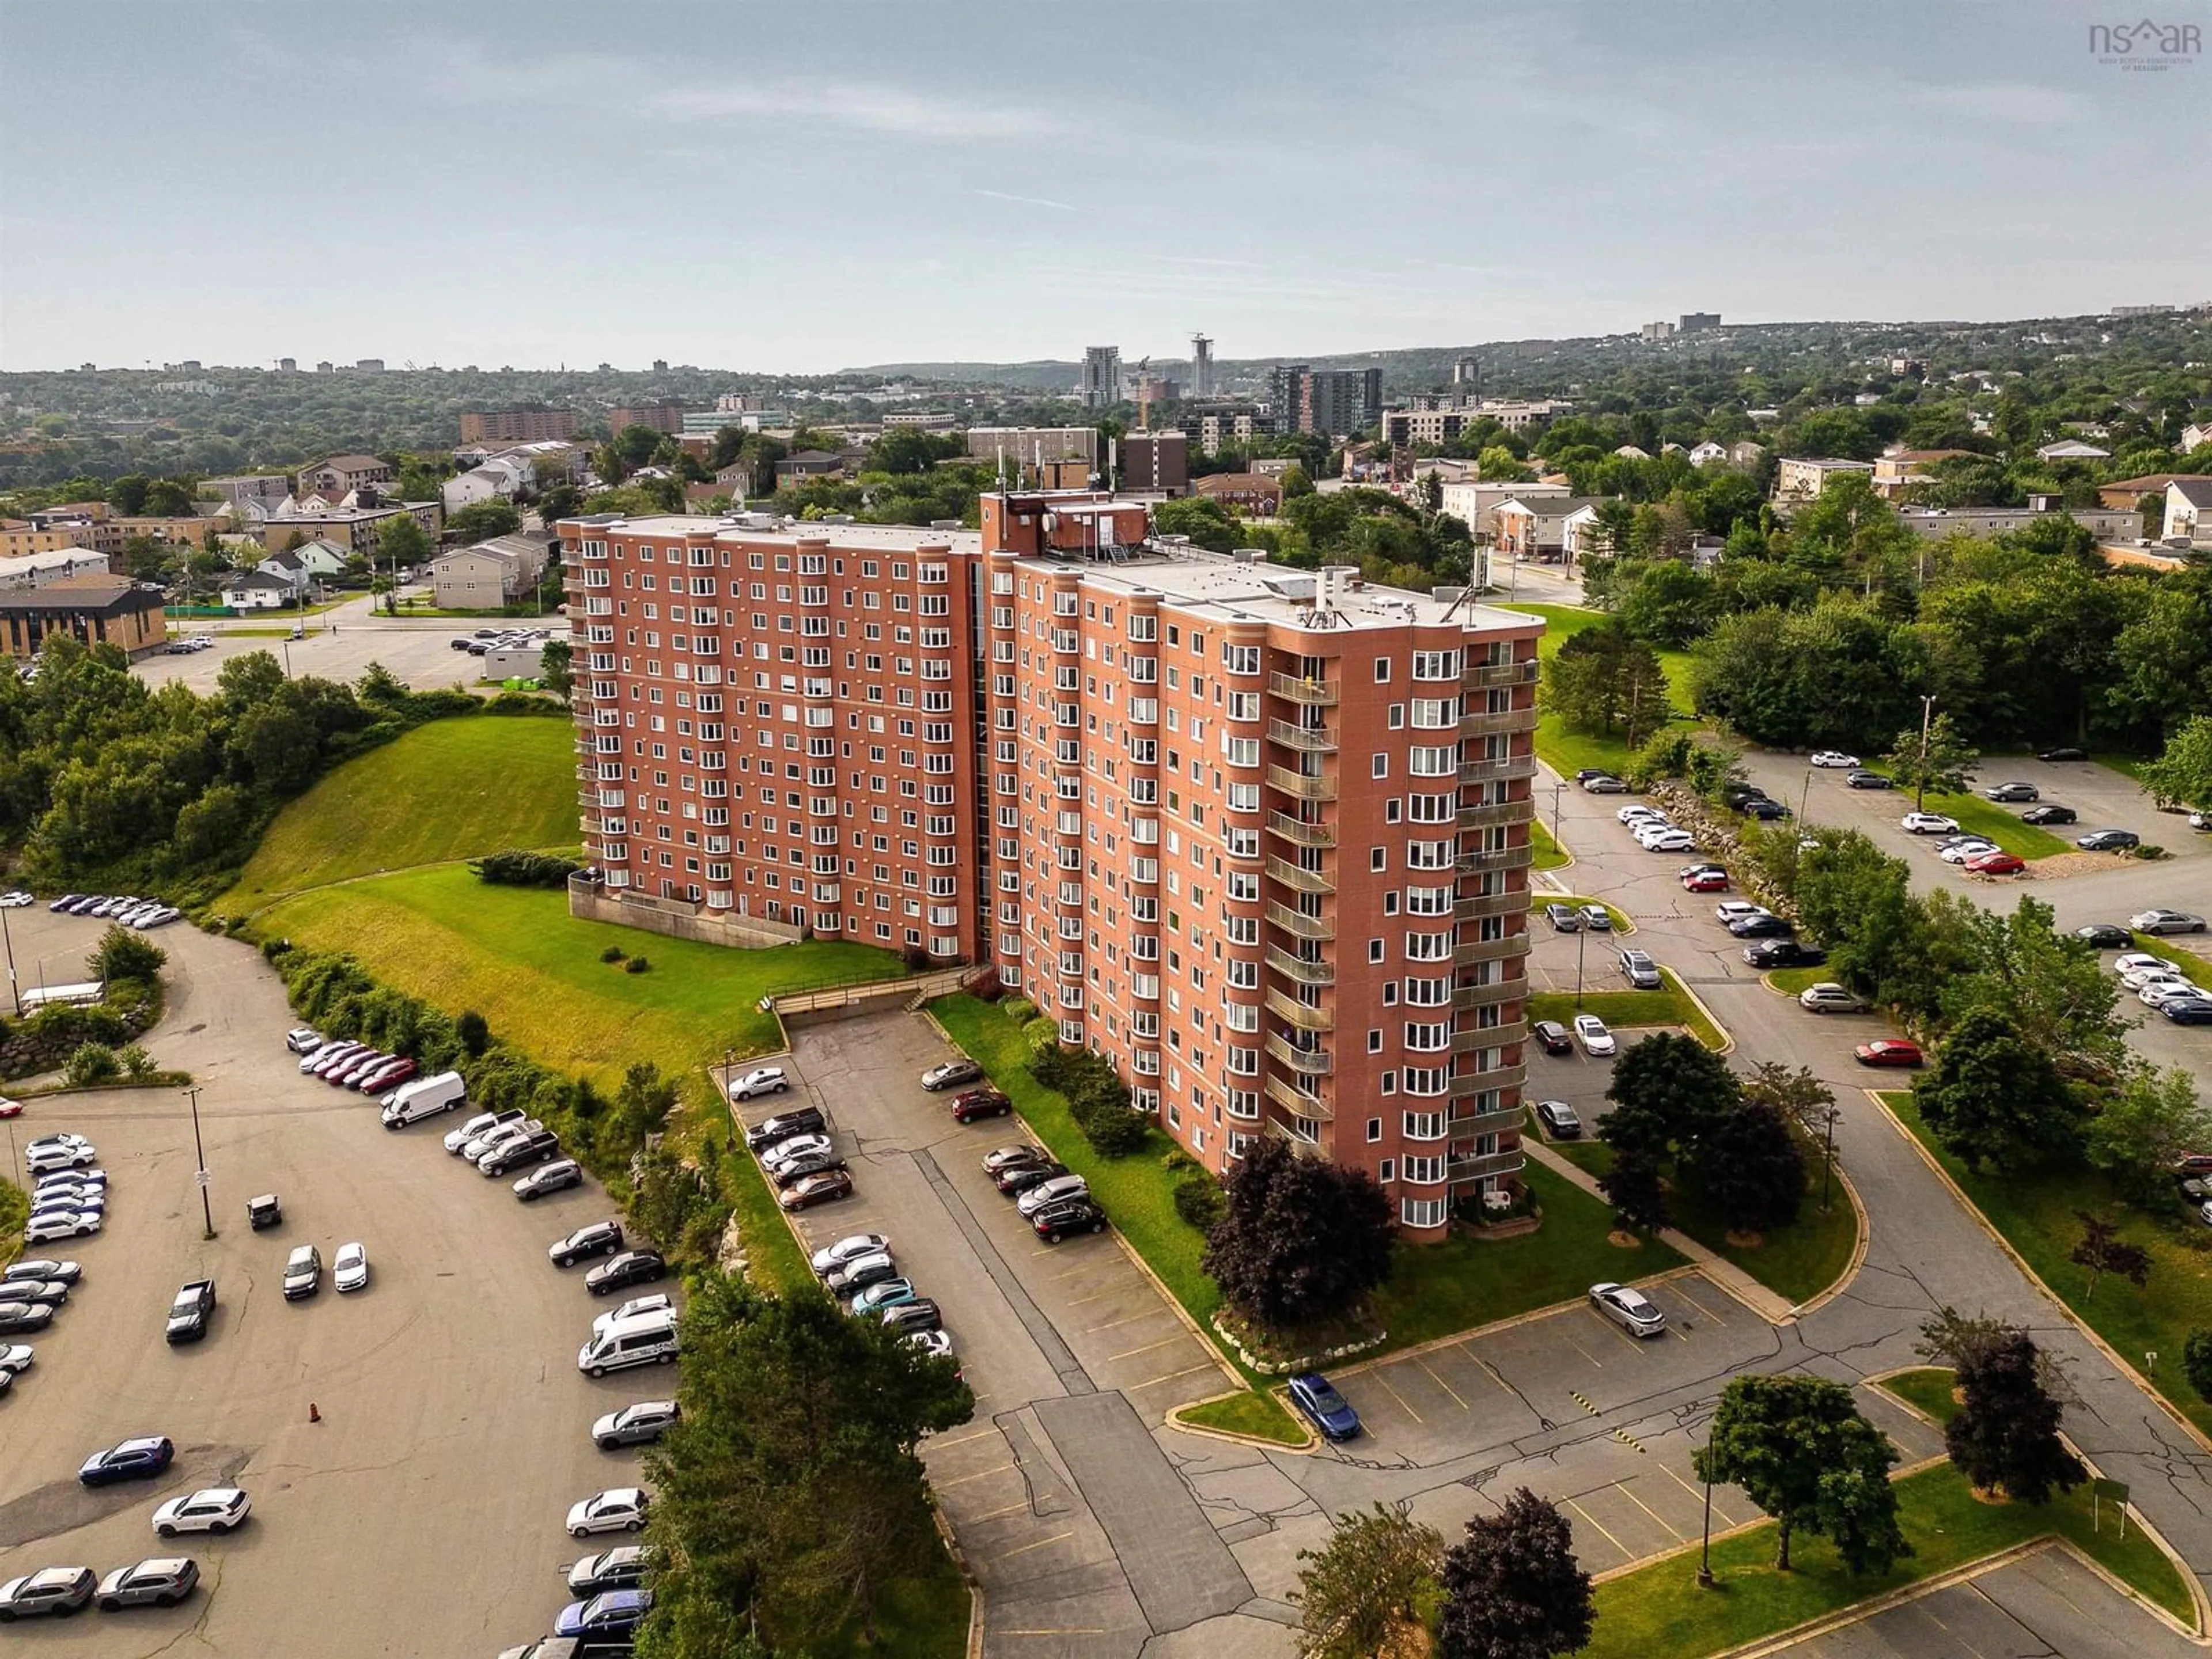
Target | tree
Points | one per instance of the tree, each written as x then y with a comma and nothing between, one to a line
2052,987
1359,1594
1799,1448
1498,464
2197,1363
1606,679
1512,1586
1639,1197
122,954
2142,1127
1667,1091
1302,1240
1748,1165
127,494
479,521
1295,482
168,498
1934,756
1950,1338
2005,1437
1667,604
1205,520
555,666
634,446
2182,774
401,543
1993,1096
1798,1095
2102,1250
474,1033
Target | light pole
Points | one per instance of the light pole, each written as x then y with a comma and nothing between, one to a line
207,1209
1705,1548
14,996
1828,1157
1581,937
1557,789
288,659
1920,783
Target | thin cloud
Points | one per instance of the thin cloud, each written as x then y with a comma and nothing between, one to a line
1025,200
867,107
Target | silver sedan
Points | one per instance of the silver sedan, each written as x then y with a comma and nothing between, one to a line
161,1581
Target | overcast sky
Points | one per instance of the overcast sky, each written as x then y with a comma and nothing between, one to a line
811,185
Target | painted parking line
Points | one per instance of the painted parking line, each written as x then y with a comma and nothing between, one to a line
1716,1313
1097,1296
1440,1383
1575,1342
1057,1538
1022,1508
983,1433
1665,1525
1153,1381
1627,1553
1148,1313
1378,1376
1700,1493
1131,1353
980,1474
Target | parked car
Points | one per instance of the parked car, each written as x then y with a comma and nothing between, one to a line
1552,1036
303,1273
2134,966
1597,918
520,1152
656,1302
213,1509
1958,851
761,1080
832,1257
264,1211
783,1152
1784,953
1590,1031
862,1271
349,1267
160,1582
2104,936
607,1622
459,1140
556,1176
2013,791
883,1293
24,1318
57,1224
1734,910
1051,1192
2109,841
2188,1010
42,1268
2166,922
1705,881
2048,815
1563,917
595,1238
1829,998
1017,1178
1560,1120
1834,757
1997,862
1928,823
636,1425
816,1189
1320,1404
619,1273
1638,968
807,1121
2061,754
16,899
302,1039
1766,925
1630,1309
10,1108
1765,810
793,1170
190,1312
620,1568
909,1317
141,1459
55,1591
980,1103
2157,992
1056,1221
952,1074
1863,779
1668,839
1888,1051
1604,783
619,1509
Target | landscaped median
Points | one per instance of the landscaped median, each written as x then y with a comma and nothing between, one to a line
2037,1213
1983,817
1549,854
1434,1291
1625,1009
1253,1414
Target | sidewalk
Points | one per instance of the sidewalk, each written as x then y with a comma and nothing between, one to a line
1773,1308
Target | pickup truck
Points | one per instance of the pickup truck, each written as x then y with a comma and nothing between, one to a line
189,1313
515,1151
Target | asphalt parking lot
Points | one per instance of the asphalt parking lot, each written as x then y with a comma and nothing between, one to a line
340,644
1085,1538
422,1515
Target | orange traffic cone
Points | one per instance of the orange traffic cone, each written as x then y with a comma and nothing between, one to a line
313,1416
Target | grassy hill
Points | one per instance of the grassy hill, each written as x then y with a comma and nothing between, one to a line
453,789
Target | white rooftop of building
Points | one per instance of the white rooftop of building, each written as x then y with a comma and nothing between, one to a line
766,527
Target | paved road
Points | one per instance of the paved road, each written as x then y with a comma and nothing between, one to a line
423,1514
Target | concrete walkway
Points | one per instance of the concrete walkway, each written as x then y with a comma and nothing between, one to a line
1774,1308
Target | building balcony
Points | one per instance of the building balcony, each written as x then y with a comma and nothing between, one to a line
1473,1083
1298,832
1499,858
1314,694
821,806
1490,1037
1474,1166
1295,1100
1489,813
1510,903
1299,1144
1504,1121
1502,673
1299,968
1490,996
1307,1062
1309,739
1484,722
1299,878
1483,771
1305,1017
1298,923
1301,786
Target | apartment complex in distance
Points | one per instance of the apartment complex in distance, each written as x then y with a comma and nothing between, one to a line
1257,836
517,426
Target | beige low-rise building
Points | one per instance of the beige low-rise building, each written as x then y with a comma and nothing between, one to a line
488,576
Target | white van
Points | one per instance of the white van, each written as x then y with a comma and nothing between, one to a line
426,1096
643,1339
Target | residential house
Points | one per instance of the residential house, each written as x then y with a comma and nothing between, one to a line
27,570
317,561
2105,524
490,575
1801,478
1551,529
502,478
20,537
1895,472
269,487
1709,454
1249,493
341,474
350,522
808,463
1631,453
2196,435
1473,502
2072,449
2189,512
2130,492
1745,454
257,590
96,610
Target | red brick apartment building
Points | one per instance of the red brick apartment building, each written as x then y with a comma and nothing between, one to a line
1258,836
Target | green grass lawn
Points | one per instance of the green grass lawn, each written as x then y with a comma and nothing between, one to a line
1569,752
2192,967
1435,1290
452,789
1621,1009
1799,1261
517,956
15,1211
2035,1211
1926,1389
2001,824
925,1616
1791,980
1550,855
1621,924
1256,1412
1658,1612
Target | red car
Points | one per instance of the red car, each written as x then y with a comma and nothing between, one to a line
1889,1051
979,1103
1707,881
818,1190
1995,864
390,1075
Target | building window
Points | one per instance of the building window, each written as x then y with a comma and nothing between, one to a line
1387,1171
1374,1042
1374,1129
1382,670
1374,950
1379,767
1421,1211
1378,858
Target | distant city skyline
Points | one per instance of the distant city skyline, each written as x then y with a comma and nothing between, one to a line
803,189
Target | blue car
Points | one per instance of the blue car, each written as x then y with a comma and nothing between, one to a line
615,1614
1327,1409
2188,1010
134,1460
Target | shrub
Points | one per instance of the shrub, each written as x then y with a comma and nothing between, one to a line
122,954
91,1063
2147,851
1020,1009
474,1033
517,868
613,953
1198,1198
915,958
135,1060
2196,1362
637,965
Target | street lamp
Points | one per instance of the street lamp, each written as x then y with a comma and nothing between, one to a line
1705,1548
1828,1157
1557,789
288,659
200,1178
1920,783
1581,937
14,996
